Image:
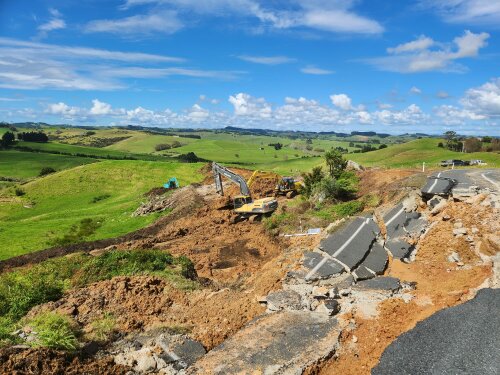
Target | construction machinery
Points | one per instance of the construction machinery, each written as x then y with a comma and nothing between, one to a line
243,204
288,186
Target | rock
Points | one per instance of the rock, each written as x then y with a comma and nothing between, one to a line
434,201
459,231
329,307
354,339
474,230
438,208
320,292
382,283
284,300
453,257
352,165
446,217
410,203
458,224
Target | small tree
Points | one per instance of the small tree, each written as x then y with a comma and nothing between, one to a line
8,139
311,179
46,171
335,162
472,145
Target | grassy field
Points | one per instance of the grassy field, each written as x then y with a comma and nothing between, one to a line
22,165
52,204
412,154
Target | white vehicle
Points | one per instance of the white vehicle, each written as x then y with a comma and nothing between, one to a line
477,162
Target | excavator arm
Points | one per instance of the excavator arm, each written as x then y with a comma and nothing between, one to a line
220,171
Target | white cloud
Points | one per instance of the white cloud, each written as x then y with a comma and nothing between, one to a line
442,94
408,116
341,101
452,115
55,23
329,16
100,108
419,44
198,114
164,22
415,90
267,60
31,66
63,110
485,99
247,105
412,57
311,69
476,12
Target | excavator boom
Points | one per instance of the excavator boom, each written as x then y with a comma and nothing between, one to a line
220,171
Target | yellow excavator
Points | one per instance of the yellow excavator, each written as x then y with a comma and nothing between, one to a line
244,206
288,186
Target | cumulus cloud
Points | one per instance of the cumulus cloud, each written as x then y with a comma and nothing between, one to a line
415,90
441,94
418,56
341,101
247,105
485,99
100,108
63,110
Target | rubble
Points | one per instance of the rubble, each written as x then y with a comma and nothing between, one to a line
284,300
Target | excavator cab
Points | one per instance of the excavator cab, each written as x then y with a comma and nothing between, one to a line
241,200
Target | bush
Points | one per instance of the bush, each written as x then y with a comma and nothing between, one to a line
46,170
8,138
339,211
33,136
163,146
176,144
335,189
90,133
100,198
53,331
19,192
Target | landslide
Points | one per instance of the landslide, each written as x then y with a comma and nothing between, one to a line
438,282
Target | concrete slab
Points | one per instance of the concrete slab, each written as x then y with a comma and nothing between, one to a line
377,259
394,221
327,269
381,283
287,342
351,244
399,248
363,273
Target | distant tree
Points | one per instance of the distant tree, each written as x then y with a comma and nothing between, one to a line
351,144
89,133
335,162
33,137
176,144
46,171
309,141
440,144
309,147
472,145
383,145
451,140
8,138
162,146
486,139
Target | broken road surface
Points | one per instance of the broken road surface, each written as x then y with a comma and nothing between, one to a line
464,339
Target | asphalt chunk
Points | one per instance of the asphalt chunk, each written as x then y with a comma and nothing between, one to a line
327,269
399,248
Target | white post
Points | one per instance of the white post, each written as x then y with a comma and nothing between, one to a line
452,165
423,166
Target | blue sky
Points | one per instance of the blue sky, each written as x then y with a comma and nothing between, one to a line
324,65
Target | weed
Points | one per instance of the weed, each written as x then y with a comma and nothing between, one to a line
103,328
19,192
53,331
78,232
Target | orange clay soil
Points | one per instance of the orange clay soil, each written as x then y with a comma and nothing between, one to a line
439,284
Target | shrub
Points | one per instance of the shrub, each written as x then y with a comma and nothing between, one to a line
8,138
46,170
100,198
19,192
311,179
53,331
90,133
176,144
163,146
78,232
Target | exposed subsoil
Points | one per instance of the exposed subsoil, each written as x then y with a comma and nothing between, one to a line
20,361
439,284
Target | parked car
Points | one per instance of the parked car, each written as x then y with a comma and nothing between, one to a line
454,162
477,162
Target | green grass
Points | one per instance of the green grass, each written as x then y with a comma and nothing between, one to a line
143,143
63,199
412,154
53,331
23,165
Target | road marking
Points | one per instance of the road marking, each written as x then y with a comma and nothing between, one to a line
490,180
439,174
433,185
342,248
395,216
349,240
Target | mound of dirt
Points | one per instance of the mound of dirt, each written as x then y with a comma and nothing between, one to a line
41,361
